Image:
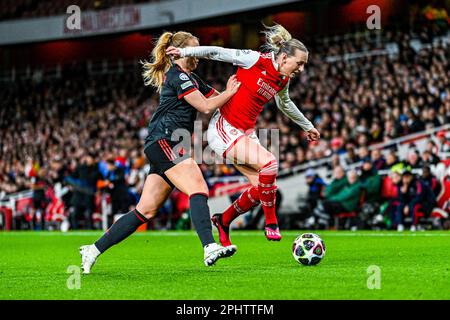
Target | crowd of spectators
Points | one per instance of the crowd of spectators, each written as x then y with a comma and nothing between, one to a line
79,123
382,192
86,131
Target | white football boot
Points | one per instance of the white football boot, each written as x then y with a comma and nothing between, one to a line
89,255
214,252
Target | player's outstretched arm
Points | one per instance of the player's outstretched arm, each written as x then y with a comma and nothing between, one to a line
208,105
285,104
241,58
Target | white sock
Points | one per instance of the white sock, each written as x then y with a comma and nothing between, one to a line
95,250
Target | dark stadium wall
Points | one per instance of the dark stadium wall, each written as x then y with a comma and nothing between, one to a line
126,47
295,22
340,17
214,35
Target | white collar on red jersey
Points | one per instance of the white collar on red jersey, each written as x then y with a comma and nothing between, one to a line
275,64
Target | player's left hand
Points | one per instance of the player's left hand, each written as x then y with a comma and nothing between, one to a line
233,84
313,135
173,52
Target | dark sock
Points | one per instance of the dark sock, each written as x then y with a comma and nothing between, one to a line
120,230
200,217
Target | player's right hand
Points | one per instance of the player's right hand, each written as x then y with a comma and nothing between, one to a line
313,135
173,52
233,84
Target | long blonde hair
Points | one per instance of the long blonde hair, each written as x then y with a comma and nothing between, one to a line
279,40
154,71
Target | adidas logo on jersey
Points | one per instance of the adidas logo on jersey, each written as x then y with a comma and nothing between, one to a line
264,72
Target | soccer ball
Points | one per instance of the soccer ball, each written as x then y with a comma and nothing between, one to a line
308,249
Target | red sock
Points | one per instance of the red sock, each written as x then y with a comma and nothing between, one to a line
247,200
267,190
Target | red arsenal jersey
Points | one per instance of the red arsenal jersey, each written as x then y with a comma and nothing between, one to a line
259,84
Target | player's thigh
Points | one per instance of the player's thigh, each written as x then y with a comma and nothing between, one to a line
251,174
187,177
155,192
249,152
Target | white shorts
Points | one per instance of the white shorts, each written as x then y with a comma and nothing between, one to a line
222,136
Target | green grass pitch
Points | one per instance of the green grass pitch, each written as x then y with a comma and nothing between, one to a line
169,265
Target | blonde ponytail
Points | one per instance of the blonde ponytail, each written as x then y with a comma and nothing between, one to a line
154,71
279,40
276,36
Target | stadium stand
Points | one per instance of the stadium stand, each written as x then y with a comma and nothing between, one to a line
10,9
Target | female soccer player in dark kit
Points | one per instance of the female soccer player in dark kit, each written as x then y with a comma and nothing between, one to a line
182,94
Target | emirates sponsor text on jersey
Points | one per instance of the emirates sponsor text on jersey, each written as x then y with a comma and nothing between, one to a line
265,89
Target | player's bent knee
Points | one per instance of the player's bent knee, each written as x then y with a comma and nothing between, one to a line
150,214
198,186
147,211
253,179
204,191
254,182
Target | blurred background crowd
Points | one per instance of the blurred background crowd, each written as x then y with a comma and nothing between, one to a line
76,139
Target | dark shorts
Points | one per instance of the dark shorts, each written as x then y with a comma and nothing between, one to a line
163,155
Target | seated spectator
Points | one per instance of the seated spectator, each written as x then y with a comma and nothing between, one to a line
432,147
389,188
316,188
371,184
391,159
352,156
336,145
344,200
390,196
378,160
335,161
441,212
430,158
363,152
431,181
414,196
443,143
414,160
338,182
376,131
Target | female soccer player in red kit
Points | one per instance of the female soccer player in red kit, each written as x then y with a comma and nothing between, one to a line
231,131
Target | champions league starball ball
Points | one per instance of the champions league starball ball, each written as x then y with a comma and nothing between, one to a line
308,249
